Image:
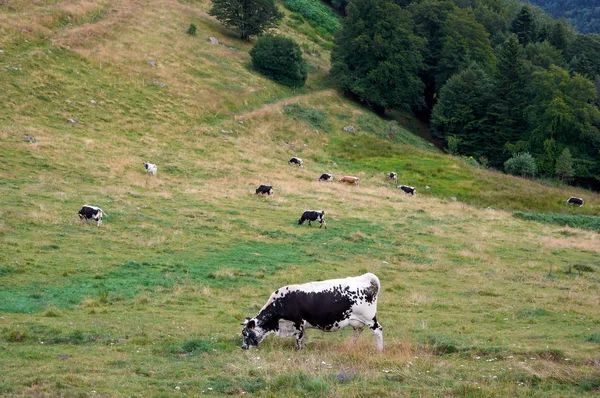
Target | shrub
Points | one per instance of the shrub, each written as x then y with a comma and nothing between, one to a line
192,30
453,142
280,59
316,12
521,164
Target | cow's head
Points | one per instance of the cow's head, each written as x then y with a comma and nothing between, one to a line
252,334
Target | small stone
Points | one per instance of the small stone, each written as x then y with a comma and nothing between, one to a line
151,62
92,101
350,129
29,139
159,84
453,198
177,388
225,132
213,41
73,121
64,356
69,101
1,51
427,187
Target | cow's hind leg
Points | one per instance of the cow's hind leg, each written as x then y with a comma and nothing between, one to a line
378,332
357,332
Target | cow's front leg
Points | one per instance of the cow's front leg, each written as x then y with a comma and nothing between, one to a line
300,336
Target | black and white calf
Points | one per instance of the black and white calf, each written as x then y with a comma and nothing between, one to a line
268,189
575,201
327,305
150,168
326,177
407,190
296,161
313,215
393,176
88,212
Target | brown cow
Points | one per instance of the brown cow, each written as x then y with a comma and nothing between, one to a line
350,180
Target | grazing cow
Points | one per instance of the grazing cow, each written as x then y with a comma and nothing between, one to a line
350,180
264,189
313,215
326,177
575,201
88,212
393,176
327,305
407,190
296,161
150,168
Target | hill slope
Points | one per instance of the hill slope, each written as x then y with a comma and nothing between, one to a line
152,300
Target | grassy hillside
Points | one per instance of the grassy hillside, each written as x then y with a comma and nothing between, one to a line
474,301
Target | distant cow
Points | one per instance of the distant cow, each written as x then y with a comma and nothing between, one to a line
350,180
326,177
264,189
295,161
88,212
327,305
150,168
313,215
575,201
393,176
407,190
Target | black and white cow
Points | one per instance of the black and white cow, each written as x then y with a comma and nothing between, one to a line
150,168
575,201
393,176
88,212
326,177
268,189
327,305
313,215
407,190
296,161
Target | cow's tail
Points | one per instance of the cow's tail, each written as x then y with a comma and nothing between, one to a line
103,212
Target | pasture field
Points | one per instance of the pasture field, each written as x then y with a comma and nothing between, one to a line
474,301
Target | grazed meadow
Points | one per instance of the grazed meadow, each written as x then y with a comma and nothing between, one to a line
474,302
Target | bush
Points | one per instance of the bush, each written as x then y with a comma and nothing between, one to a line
192,30
521,164
280,59
453,142
316,12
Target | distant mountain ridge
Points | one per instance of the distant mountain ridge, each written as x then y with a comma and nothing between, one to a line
583,14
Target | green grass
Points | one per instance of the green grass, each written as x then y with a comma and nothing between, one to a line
150,303
591,223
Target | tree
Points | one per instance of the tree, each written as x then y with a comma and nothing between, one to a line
280,59
564,165
510,91
522,164
524,25
377,56
461,111
563,110
464,41
249,17
542,55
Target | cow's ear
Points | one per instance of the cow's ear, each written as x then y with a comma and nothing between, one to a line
245,321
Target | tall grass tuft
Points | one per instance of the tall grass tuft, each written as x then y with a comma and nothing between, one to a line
591,223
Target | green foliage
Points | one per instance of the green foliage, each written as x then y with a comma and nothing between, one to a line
542,55
564,165
313,116
249,17
583,14
280,59
316,12
464,41
191,30
452,143
377,56
524,26
391,131
521,164
461,111
591,223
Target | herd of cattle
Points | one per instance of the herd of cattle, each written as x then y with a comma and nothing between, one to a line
326,305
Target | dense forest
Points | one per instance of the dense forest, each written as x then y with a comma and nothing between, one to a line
584,15
498,81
